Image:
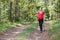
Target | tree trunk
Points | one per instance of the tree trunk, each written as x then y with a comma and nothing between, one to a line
10,12
0,12
17,11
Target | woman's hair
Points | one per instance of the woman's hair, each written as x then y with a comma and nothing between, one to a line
39,8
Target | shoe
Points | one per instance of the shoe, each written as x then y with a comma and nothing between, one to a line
40,31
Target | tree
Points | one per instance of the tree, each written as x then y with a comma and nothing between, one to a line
47,13
57,8
0,12
10,13
17,10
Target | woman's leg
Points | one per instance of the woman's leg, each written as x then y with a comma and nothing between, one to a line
40,25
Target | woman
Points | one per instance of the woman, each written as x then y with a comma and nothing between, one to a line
40,18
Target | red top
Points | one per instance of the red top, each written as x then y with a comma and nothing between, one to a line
40,15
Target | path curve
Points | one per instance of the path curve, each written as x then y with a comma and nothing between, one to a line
11,33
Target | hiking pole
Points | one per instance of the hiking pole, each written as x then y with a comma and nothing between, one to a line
37,25
43,27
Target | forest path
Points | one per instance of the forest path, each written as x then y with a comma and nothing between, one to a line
11,33
36,35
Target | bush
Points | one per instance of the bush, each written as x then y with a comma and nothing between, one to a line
54,30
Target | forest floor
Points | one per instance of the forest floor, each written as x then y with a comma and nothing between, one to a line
36,35
11,33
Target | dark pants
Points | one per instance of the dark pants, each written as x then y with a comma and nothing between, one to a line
40,24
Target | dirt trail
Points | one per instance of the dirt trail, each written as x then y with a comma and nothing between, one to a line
12,32
36,35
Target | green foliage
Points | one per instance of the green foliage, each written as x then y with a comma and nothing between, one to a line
3,12
25,10
57,8
54,30
47,13
28,10
4,27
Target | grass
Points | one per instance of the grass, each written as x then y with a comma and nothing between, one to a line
5,26
54,31
26,32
